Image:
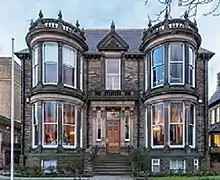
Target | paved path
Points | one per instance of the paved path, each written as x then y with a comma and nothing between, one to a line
111,178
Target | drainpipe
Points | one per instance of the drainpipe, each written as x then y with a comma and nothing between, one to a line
138,106
23,112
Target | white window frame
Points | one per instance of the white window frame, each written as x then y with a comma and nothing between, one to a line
177,161
196,164
129,126
35,65
152,67
194,127
0,142
217,114
213,116
99,112
81,73
146,129
183,124
155,162
192,64
152,139
42,165
75,126
75,64
43,60
113,74
34,105
81,129
176,62
43,123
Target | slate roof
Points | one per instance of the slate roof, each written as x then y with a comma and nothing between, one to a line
132,36
215,97
214,128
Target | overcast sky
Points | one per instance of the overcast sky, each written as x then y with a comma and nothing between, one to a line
15,16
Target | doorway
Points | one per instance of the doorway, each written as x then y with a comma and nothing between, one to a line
113,132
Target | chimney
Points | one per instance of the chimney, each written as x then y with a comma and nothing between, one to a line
218,80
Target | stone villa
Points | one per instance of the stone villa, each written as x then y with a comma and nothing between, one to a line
115,89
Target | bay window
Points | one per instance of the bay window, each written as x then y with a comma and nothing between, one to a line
157,123
113,74
176,124
50,63
35,66
176,63
191,127
50,125
191,66
69,66
158,66
36,114
47,115
69,124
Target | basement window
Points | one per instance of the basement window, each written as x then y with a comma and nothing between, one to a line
49,166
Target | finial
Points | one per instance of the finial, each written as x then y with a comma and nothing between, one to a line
112,25
149,24
83,31
166,14
60,15
32,22
195,22
41,14
77,23
186,15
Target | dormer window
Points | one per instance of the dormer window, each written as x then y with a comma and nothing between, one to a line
113,74
50,63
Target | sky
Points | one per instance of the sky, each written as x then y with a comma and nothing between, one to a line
15,17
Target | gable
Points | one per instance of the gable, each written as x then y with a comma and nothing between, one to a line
112,42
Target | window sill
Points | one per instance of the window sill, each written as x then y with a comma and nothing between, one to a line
50,146
157,147
69,86
68,147
157,86
176,146
127,140
50,83
98,140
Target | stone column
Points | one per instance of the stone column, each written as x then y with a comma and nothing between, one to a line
122,124
103,127
148,107
166,124
132,117
60,131
40,126
78,126
94,114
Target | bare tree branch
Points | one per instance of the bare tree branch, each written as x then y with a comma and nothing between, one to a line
191,7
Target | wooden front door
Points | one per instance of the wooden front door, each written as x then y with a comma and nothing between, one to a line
113,136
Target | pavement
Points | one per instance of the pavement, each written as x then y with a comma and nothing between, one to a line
111,178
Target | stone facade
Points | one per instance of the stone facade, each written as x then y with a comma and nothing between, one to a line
5,88
133,100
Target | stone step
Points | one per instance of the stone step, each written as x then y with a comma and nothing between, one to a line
112,166
112,173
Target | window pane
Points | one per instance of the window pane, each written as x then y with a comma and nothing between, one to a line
156,169
68,75
50,131
35,75
112,82
69,114
68,135
50,112
158,124
50,72
191,115
50,52
158,75
127,125
112,66
176,52
176,72
176,134
190,135
191,74
216,140
158,56
36,117
69,56
191,57
176,112
99,119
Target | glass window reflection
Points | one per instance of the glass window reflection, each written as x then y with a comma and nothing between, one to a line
158,66
113,74
157,112
50,58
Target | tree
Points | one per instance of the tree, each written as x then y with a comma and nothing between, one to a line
191,7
